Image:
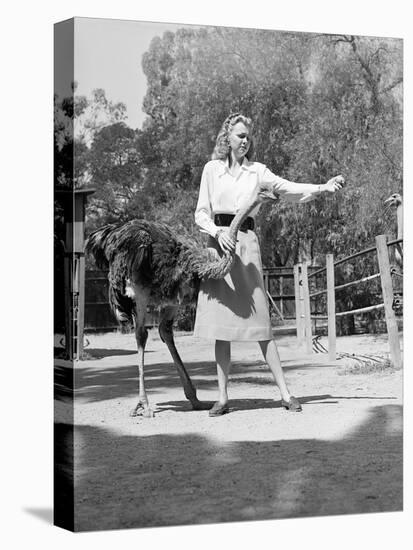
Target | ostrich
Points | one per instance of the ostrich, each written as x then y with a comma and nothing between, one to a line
395,200
149,263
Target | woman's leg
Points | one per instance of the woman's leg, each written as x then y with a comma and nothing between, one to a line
223,359
270,352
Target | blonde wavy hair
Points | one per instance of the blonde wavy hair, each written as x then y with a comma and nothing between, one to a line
222,148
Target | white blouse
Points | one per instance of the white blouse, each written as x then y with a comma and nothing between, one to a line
221,192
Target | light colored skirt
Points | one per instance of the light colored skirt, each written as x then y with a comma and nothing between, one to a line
235,308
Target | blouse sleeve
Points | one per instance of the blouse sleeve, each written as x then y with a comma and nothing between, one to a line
291,191
203,212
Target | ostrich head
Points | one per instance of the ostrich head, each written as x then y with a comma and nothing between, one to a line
266,193
394,200
263,192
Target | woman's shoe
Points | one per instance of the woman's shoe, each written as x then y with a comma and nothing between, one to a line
292,405
218,409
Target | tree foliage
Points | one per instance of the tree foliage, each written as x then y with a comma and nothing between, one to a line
77,119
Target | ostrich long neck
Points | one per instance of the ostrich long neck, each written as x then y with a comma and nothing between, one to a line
399,214
239,217
217,268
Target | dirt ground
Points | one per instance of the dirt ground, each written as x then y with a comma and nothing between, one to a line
342,454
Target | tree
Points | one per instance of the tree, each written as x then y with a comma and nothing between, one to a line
76,120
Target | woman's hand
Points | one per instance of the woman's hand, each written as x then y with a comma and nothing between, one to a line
224,240
334,184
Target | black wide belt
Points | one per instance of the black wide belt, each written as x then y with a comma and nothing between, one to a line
226,219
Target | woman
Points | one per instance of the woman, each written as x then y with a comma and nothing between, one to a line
236,308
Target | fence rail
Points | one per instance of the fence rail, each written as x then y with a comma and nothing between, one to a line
363,280
359,310
395,241
355,255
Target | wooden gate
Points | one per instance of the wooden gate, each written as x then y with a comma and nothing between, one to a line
98,315
279,283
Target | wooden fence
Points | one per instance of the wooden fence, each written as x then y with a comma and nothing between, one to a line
303,298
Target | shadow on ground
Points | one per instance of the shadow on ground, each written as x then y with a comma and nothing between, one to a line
101,353
244,404
94,384
137,481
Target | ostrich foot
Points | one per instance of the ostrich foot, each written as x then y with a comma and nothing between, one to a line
201,405
142,410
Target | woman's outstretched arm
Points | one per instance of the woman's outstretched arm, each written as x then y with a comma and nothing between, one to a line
302,192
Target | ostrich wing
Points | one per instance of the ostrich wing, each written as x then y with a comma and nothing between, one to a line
132,240
143,251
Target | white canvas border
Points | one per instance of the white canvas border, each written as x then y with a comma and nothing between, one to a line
27,87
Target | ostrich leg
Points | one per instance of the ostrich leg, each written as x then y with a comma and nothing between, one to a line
142,408
166,334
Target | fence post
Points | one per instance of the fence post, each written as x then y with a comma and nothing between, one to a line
307,309
68,307
387,289
331,307
299,313
281,295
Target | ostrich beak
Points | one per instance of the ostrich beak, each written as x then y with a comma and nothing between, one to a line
269,195
274,196
390,199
